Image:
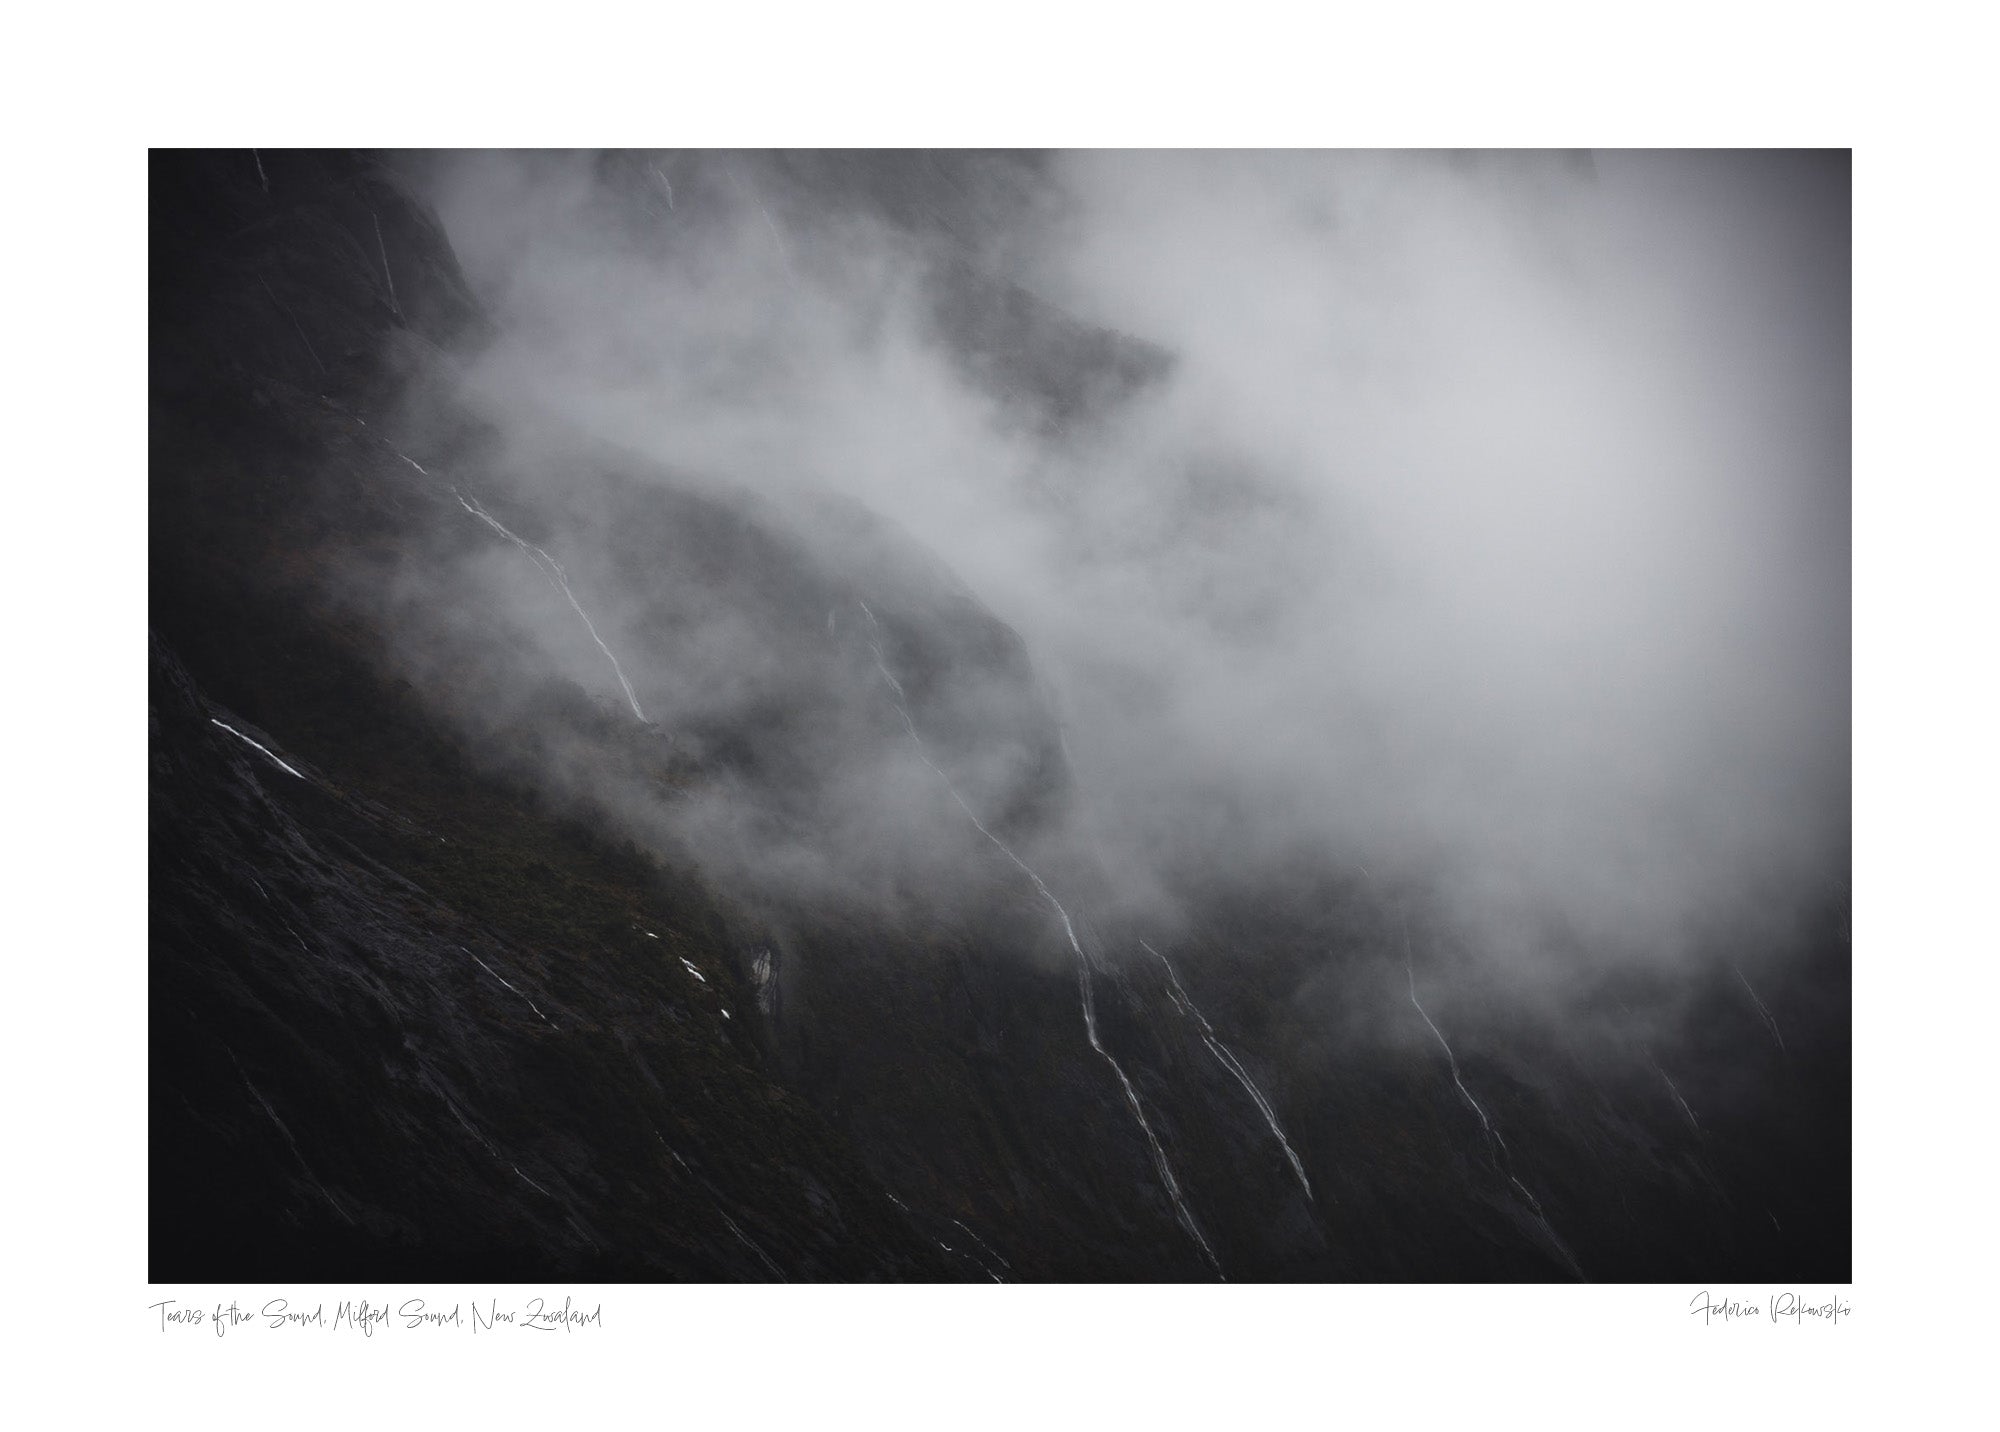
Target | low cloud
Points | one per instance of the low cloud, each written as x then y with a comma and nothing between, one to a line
1478,521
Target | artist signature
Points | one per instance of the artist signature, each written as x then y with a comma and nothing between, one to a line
1794,1308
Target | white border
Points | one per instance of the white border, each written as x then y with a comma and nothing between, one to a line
1905,92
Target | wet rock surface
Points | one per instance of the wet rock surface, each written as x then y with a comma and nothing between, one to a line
419,1009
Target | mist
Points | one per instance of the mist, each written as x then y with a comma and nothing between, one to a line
1479,523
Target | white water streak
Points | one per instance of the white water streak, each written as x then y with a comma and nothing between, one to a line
294,321
1768,1020
1501,1160
1069,931
961,1253
488,1144
466,1123
290,1142
503,980
993,1252
716,1199
530,1182
1228,1061
749,1243
551,569
1451,1059
383,249
279,761
1089,1002
1671,1089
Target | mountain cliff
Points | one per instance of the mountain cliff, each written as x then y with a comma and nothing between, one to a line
501,930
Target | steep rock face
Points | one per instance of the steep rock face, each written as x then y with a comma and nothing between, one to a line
495,980
367,1061
421,1004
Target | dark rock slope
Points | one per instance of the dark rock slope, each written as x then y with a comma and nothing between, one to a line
435,993
420,1008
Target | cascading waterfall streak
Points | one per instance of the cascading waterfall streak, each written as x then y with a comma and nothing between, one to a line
551,569
1085,995
1497,1145
1228,1061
